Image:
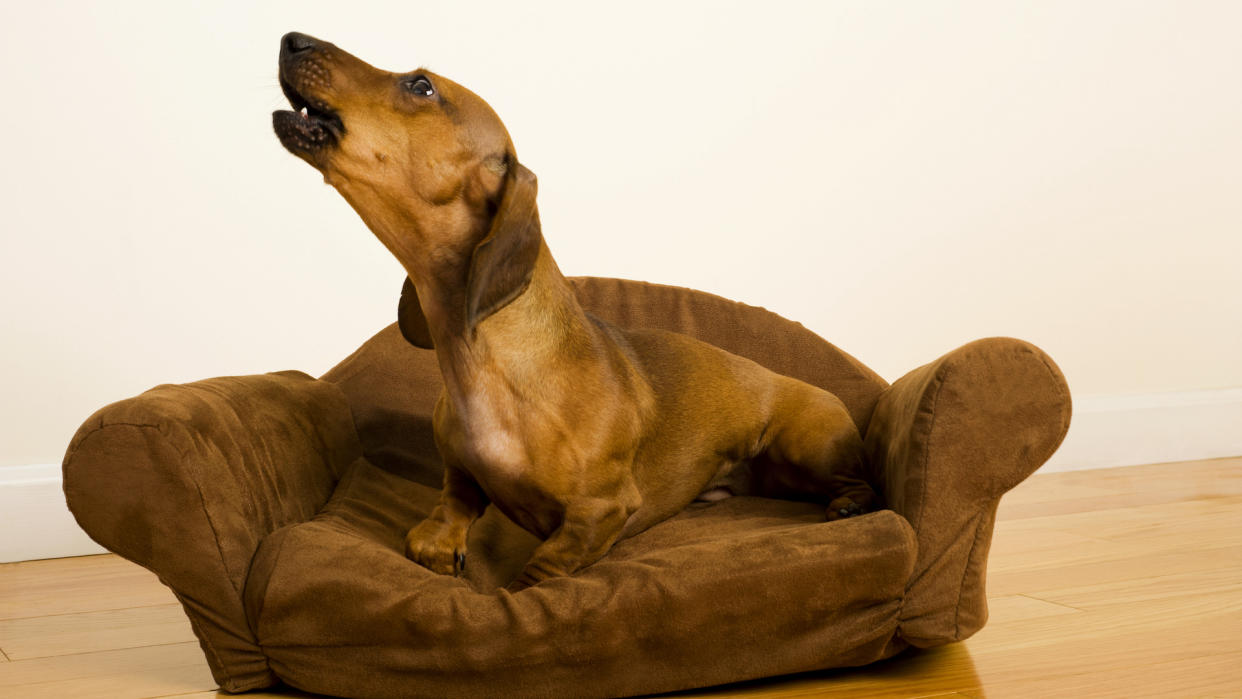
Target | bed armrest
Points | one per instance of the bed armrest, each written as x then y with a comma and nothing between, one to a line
945,442
186,480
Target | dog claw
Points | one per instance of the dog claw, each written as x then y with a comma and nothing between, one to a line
844,508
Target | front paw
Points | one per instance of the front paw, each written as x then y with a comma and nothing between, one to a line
534,572
845,507
437,547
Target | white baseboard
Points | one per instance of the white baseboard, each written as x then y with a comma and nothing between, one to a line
1106,431
1152,428
37,523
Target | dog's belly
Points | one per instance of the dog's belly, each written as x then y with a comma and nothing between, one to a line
732,477
714,494
669,485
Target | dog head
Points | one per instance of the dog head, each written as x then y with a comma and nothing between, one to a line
425,162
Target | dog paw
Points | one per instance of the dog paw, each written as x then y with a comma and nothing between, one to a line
534,572
844,507
436,548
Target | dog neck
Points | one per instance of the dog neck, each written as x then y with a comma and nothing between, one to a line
537,327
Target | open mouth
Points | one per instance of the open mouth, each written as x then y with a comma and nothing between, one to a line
310,127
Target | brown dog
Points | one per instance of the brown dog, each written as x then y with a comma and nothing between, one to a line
580,432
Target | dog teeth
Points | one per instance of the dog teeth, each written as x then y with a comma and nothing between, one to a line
305,114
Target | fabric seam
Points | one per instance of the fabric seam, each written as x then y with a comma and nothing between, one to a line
931,429
258,612
961,586
970,555
926,458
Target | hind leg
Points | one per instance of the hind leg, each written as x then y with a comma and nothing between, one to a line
815,452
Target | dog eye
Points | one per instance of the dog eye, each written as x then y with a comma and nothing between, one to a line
420,86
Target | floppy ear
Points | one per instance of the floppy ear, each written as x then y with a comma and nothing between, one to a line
410,317
504,261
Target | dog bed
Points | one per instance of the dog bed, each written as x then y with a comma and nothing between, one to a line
274,506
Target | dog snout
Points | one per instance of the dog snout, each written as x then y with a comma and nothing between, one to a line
297,42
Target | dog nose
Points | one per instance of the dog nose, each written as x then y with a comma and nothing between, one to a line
296,42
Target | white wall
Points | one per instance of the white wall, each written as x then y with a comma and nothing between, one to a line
900,177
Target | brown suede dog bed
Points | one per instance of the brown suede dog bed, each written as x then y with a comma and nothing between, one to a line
274,506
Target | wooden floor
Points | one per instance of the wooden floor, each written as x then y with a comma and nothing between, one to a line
1119,582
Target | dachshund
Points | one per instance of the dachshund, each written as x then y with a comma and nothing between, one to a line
580,432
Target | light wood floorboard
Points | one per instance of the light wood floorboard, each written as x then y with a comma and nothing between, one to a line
1119,582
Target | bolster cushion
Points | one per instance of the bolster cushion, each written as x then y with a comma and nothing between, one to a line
186,480
741,589
945,442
